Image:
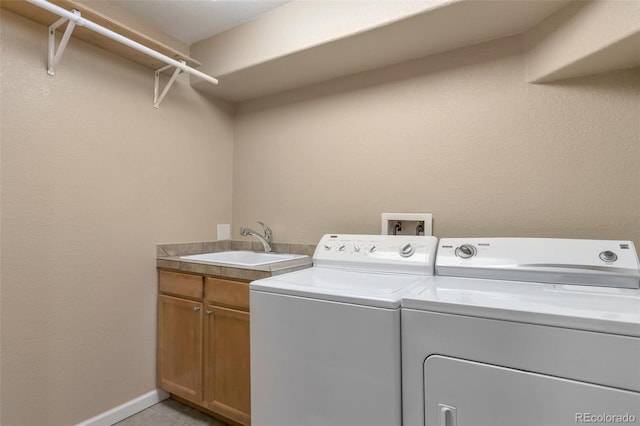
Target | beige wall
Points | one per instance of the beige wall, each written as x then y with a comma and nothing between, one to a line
93,177
294,27
585,38
460,135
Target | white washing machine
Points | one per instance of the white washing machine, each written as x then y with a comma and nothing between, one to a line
325,341
524,332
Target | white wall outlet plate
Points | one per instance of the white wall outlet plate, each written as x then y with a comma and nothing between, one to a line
406,224
224,232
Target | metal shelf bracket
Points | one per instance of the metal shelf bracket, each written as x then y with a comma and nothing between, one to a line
54,57
158,98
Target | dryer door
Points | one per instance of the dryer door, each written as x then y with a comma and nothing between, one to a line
466,393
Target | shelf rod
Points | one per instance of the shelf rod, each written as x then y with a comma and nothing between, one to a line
120,39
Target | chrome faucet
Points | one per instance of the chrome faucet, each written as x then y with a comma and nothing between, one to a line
266,240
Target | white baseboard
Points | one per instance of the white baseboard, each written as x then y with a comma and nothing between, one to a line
127,409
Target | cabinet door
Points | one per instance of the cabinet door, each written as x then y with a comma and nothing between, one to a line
227,361
180,347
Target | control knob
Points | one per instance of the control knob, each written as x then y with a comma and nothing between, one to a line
466,251
608,256
407,250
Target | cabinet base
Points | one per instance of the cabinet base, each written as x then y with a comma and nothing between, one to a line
207,411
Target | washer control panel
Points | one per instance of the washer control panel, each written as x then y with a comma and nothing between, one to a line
382,253
605,263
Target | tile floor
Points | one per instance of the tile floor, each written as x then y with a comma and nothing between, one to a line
170,413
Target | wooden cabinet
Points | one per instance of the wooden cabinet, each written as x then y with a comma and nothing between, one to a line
180,347
203,343
227,380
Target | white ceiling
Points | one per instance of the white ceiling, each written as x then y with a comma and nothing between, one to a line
193,20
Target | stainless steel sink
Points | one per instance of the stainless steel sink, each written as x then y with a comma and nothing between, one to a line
242,258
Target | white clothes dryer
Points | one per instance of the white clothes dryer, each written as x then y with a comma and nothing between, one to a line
524,332
325,341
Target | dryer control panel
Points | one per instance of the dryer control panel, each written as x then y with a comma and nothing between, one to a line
605,263
377,253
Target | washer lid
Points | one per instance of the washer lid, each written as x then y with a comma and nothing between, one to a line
602,309
371,289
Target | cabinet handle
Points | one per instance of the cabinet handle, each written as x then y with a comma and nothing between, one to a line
208,312
196,308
